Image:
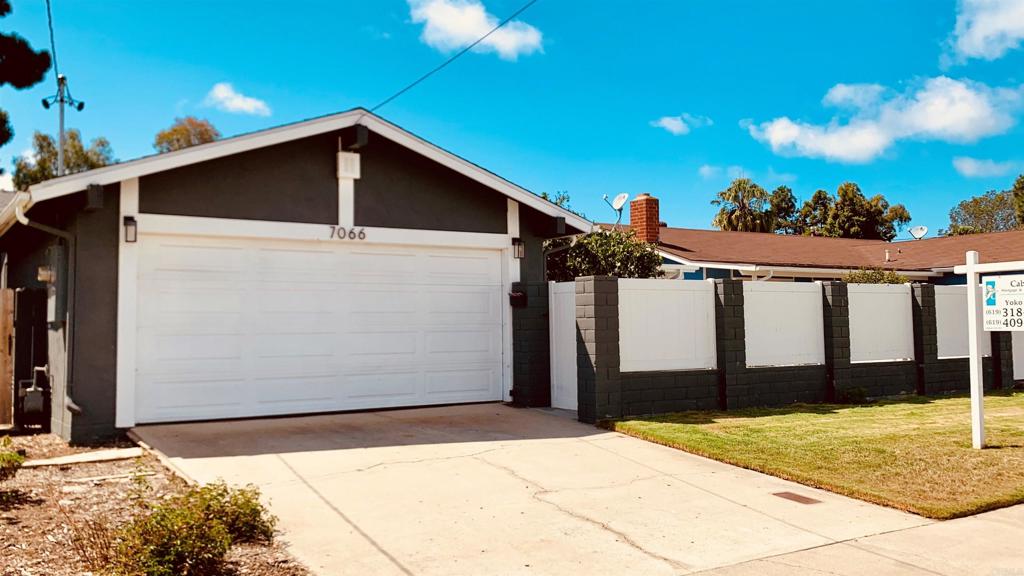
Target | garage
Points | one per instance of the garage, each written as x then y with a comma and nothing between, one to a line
335,264
232,327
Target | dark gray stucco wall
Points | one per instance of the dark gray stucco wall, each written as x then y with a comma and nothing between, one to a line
91,380
291,182
402,189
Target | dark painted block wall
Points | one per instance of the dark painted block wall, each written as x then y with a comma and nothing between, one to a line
743,387
531,347
597,324
645,393
949,375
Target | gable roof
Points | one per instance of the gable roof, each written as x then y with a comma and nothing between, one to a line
73,183
768,250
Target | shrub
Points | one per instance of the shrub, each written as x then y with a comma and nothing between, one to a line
191,533
856,395
875,276
174,538
238,509
10,461
603,253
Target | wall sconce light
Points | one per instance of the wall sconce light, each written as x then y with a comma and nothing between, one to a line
131,229
518,248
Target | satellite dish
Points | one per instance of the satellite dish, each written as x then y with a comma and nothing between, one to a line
918,232
617,205
619,201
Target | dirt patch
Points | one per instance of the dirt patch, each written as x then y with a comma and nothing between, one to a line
39,505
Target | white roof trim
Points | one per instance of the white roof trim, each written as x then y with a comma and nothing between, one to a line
796,270
73,183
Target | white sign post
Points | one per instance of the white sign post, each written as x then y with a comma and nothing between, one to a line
1002,299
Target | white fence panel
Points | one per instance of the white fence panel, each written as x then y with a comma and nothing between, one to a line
666,325
784,323
1018,355
562,322
881,322
951,322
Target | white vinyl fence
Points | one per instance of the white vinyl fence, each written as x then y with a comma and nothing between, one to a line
1018,355
951,322
784,323
881,322
666,325
562,322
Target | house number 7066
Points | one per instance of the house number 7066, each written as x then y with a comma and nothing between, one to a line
341,233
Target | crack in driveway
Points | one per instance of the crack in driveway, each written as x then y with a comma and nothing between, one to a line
539,494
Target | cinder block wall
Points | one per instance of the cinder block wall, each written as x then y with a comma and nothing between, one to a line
949,375
531,347
606,392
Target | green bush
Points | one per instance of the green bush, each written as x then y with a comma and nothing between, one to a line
10,461
191,533
174,538
238,509
603,253
875,276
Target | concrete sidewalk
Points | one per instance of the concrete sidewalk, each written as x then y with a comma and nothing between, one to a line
488,489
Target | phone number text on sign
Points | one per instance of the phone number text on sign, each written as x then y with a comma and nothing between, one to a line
1003,303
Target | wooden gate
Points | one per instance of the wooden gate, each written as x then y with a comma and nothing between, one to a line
6,358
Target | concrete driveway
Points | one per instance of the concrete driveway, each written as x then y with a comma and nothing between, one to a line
488,489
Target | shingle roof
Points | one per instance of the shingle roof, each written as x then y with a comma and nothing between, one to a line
715,246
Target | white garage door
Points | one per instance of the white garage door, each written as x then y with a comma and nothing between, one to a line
233,328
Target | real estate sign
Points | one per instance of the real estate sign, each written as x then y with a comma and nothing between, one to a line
1003,303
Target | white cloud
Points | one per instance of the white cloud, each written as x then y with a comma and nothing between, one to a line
682,124
707,171
223,96
944,109
986,29
450,25
853,95
983,168
7,181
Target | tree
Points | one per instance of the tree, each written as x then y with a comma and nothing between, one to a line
1018,199
743,207
604,253
875,276
855,216
185,132
783,210
43,163
993,211
813,215
20,66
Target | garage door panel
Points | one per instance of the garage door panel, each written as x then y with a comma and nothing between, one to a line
386,386
379,347
481,382
255,328
462,269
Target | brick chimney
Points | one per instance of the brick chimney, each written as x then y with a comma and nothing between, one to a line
643,217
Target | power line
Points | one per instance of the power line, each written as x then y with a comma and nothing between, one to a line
53,44
448,61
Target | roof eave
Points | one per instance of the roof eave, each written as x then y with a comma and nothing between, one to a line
73,183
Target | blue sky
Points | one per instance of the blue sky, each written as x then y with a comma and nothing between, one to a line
919,100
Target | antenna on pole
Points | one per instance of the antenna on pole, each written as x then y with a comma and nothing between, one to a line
918,232
62,97
617,205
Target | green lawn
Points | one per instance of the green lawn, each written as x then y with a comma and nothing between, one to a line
913,454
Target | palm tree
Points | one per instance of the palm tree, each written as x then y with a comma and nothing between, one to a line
743,207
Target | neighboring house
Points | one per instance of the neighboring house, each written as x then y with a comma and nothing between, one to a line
699,254
334,264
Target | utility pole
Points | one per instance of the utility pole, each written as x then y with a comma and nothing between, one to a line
62,97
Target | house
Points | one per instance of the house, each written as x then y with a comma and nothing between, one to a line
334,264
700,254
